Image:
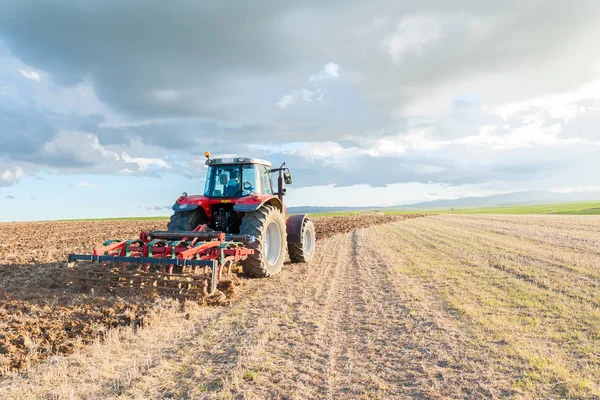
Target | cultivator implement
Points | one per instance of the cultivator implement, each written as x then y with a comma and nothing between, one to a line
185,264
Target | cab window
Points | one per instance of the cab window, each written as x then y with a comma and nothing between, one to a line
266,178
250,183
224,181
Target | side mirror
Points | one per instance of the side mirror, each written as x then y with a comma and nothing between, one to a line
223,179
287,178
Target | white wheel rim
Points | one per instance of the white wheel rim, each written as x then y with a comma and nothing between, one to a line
273,243
309,240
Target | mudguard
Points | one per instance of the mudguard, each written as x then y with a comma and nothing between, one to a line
253,203
294,227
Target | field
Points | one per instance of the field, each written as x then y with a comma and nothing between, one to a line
575,208
454,306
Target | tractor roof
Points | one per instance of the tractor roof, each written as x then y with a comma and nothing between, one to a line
237,161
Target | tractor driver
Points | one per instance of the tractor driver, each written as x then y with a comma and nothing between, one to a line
233,186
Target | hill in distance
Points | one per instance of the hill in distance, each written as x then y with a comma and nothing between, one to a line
499,200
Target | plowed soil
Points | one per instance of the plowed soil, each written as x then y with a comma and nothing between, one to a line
40,315
328,226
441,307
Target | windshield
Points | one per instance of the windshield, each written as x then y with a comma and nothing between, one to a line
231,181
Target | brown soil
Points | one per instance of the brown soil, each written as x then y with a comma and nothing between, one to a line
40,315
328,226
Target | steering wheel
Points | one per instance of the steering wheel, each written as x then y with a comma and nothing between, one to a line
247,186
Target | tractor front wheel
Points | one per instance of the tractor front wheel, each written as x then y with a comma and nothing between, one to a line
267,225
185,220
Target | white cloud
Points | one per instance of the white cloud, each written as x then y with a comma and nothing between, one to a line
29,74
392,146
84,148
560,105
329,71
152,207
84,184
11,176
390,195
575,189
332,69
299,96
144,163
307,95
286,101
412,35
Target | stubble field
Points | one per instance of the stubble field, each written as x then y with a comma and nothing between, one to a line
439,306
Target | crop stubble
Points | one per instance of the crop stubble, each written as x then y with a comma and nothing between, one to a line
41,316
436,307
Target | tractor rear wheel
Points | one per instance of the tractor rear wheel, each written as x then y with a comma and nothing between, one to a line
185,221
267,225
303,248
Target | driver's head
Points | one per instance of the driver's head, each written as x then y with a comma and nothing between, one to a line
235,174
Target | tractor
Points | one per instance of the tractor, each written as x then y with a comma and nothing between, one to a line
239,220
239,199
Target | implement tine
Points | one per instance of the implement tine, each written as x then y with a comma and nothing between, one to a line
215,277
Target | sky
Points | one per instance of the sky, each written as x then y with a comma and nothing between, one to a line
107,108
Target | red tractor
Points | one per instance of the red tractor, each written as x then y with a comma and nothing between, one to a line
239,199
240,219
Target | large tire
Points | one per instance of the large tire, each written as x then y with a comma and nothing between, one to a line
303,250
185,221
267,225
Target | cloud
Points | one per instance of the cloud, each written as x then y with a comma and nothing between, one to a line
451,93
83,151
152,207
145,163
10,197
414,58
11,176
413,35
84,184
299,96
24,129
317,92
286,101
33,75
332,69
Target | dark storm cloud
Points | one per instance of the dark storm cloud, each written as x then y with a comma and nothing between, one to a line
179,134
60,159
217,59
24,129
134,51
186,77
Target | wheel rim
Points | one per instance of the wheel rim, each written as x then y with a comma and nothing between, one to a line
309,240
273,243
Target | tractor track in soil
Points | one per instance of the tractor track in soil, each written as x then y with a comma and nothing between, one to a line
40,316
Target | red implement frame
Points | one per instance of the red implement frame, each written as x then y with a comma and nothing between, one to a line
168,254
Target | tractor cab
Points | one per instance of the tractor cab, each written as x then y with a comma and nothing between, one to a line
237,177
